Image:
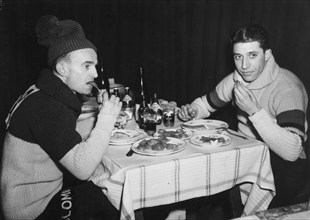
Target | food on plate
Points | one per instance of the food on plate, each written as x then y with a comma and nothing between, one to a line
198,126
163,102
156,144
171,146
202,124
212,140
119,135
179,133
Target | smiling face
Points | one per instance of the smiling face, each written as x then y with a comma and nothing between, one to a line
80,69
250,59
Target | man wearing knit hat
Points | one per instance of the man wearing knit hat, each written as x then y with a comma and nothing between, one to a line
46,161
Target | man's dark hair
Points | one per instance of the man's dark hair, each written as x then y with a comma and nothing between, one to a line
250,33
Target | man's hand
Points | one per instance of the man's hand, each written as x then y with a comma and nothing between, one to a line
245,99
100,96
187,112
110,107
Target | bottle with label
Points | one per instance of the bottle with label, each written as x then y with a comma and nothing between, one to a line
141,111
128,104
147,118
156,108
116,92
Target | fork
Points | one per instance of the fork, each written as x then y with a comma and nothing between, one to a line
94,85
231,133
99,94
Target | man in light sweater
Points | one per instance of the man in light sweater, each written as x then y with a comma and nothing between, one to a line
46,162
272,105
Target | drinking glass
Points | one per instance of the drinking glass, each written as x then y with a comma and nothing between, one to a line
168,115
149,118
121,120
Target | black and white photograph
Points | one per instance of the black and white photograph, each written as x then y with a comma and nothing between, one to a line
154,109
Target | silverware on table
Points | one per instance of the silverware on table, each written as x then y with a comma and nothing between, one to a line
232,133
129,153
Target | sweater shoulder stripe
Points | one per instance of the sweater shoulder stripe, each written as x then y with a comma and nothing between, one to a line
214,100
292,118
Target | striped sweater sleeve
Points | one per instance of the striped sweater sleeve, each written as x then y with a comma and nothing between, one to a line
283,142
84,158
216,99
285,133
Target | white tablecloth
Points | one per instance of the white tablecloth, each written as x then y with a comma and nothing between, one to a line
141,181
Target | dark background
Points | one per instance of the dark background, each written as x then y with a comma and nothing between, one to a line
182,45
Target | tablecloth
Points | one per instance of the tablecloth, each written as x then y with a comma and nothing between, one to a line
141,181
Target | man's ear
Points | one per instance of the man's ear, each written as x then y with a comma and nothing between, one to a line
267,54
61,68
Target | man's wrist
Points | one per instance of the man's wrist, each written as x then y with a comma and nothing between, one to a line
254,112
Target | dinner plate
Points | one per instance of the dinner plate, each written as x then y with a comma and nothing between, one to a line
210,140
125,137
180,146
90,106
84,116
183,134
204,124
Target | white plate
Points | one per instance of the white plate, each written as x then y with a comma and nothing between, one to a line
203,124
84,116
188,133
89,108
181,146
211,140
124,137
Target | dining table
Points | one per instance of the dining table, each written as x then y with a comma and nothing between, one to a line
140,181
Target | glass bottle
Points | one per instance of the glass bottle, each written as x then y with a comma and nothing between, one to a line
146,115
149,120
128,104
142,109
141,99
103,79
157,109
116,92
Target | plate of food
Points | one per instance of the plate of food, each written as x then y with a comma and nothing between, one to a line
204,124
210,140
158,146
124,137
179,133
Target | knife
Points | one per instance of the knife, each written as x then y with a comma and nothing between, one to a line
129,153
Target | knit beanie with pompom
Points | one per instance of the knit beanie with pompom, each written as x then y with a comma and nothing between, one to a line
60,37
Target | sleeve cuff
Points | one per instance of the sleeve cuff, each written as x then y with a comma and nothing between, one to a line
199,105
261,118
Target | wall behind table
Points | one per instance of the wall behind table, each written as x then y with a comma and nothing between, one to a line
183,46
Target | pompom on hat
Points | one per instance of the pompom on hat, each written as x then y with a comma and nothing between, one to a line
60,37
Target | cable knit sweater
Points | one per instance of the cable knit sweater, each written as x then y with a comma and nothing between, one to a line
281,123
42,131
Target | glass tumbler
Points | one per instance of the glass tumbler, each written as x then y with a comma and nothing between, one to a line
149,122
168,115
